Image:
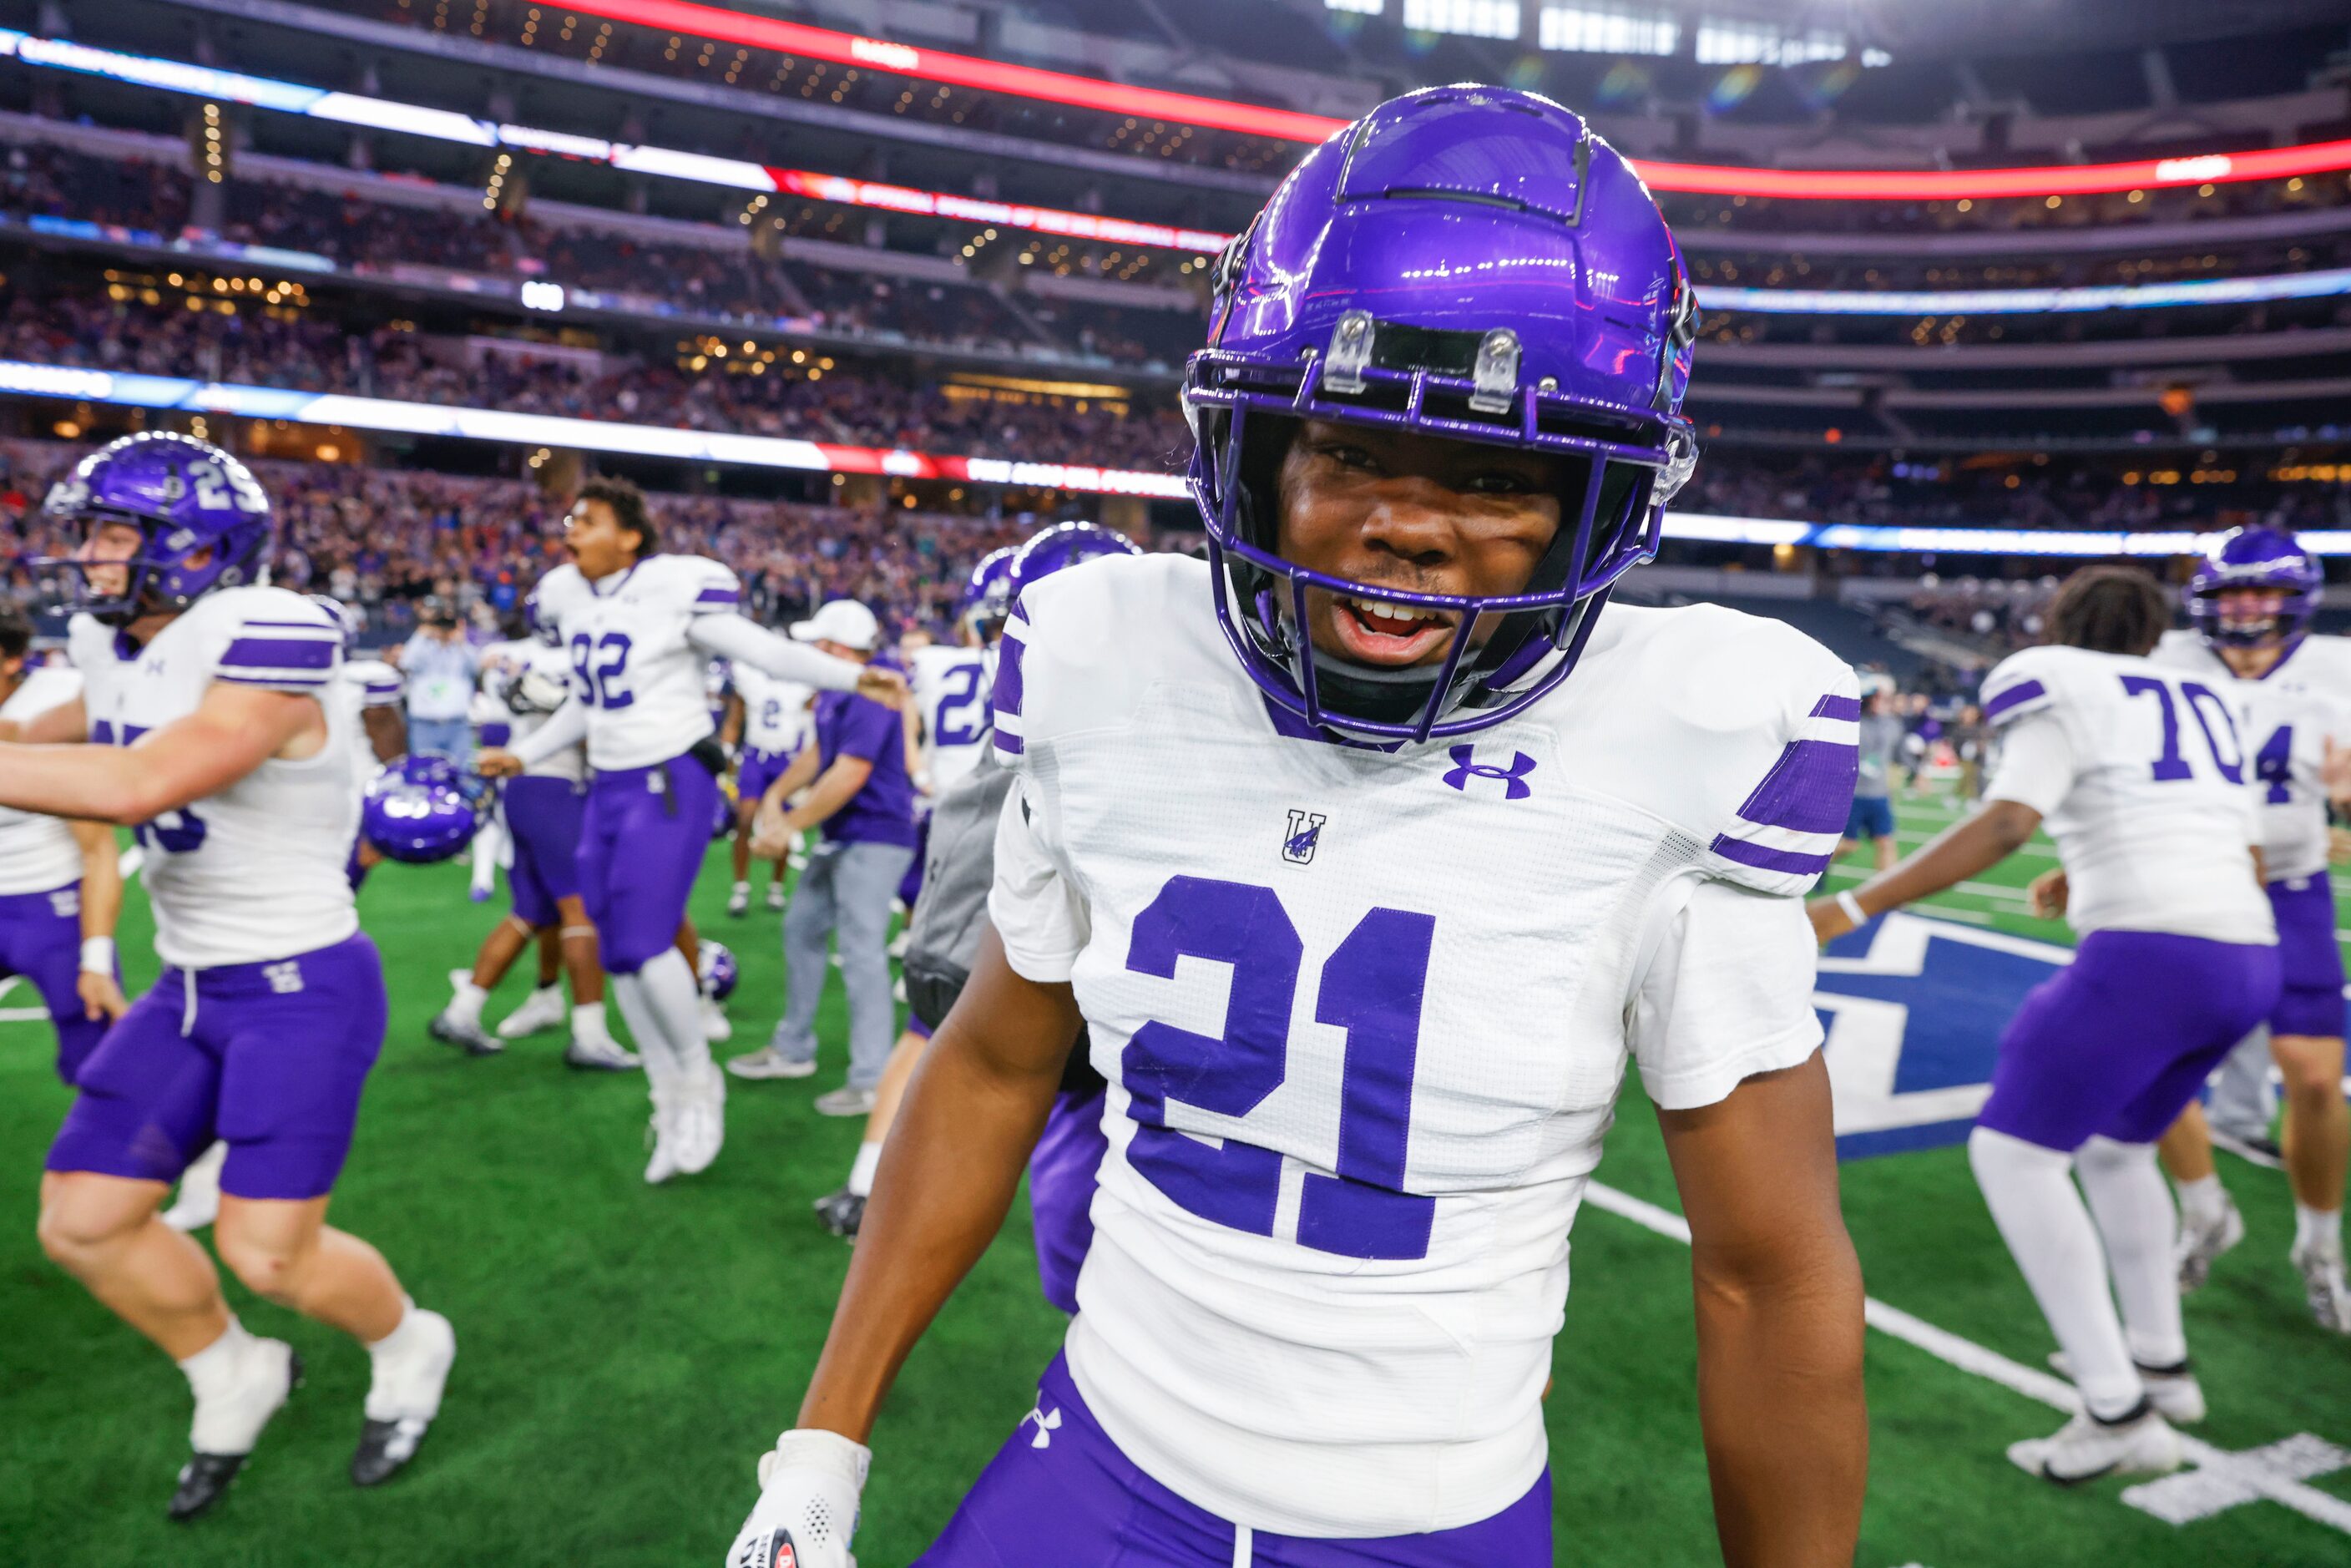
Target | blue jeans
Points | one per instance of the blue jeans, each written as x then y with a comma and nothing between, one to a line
449,737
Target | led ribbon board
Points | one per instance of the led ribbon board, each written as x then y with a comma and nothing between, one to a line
384,414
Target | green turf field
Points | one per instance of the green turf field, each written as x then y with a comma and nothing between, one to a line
626,1353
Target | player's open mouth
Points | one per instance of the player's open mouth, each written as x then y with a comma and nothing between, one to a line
1379,631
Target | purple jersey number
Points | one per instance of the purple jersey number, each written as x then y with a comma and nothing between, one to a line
2274,766
2172,764
1371,988
174,832
962,691
602,684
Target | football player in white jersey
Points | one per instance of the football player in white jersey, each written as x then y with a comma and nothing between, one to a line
641,637
1368,852
767,722
60,885
207,720
2139,772
2252,602
544,808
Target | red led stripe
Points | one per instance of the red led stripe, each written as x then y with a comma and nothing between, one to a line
1946,185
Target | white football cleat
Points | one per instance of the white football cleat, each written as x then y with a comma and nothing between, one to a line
775,889
2174,1392
403,1396
738,901
2323,1286
768,1062
198,1202
599,1053
662,1131
2141,1444
701,1126
716,1025
2201,1243
541,1011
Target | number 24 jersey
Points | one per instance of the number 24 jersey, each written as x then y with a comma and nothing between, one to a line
1365,1014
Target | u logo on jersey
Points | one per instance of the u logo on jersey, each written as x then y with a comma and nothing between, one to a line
1512,778
1305,832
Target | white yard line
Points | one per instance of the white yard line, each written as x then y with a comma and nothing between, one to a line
1969,1356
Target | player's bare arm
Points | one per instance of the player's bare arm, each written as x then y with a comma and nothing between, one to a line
234,731
1779,1319
1959,852
101,908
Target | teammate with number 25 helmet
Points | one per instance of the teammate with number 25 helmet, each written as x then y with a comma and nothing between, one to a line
202,521
1449,851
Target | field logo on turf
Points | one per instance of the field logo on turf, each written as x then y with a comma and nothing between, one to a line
1914,1009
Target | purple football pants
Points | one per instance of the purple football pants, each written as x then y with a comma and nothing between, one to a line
2119,1040
1062,1171
1060,1494
543,818
40,938
2312,1000
640,846
268,1058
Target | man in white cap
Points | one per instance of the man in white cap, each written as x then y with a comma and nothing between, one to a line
858,791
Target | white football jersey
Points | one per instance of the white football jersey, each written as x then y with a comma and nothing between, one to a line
37,853
2286,718
643,682
253,873
2139,772
951,695
776,716
1364,1013
362,685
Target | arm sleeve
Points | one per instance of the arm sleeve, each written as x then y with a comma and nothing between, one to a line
1727,994
566,727
1038,916
2036,764
732,637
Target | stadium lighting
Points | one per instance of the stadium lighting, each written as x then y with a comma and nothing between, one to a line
1469,18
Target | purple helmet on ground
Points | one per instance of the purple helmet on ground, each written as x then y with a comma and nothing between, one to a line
420,809
718,969
2262,558
1063,545
202,519
1468,263
987,597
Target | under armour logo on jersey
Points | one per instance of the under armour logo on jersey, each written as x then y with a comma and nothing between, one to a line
1305,832
1047,1425
1512,778
284,978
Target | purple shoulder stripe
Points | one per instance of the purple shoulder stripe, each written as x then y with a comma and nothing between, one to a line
1809,789
1006,698
280,653
2022,692
719,596
1008,744
1834,707
1766,859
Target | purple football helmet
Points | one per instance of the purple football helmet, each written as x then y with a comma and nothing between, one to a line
987,597
720,972
2260,558
202,519
1469,263
420,809
1063,545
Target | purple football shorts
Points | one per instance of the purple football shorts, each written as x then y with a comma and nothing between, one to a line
40,938
1060,1494
543,820
2312,1000
640,846
268,1058
756,769
1062,1171
2119,1040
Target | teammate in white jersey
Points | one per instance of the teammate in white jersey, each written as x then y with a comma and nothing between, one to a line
2139,774
208,721
639,638
60,885
1368,852
2252,602
767,722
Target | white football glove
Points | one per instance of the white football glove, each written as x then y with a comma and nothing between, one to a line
806,1510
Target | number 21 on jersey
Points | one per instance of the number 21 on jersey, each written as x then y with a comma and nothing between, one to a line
1371,987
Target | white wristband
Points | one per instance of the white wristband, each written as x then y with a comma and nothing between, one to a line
98,955
1852,907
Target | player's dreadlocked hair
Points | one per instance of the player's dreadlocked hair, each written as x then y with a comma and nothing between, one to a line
15,631
2109,610
628,504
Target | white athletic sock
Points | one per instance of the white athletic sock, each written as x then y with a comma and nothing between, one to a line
668,986
2125,1187
214,1368
465,1007
487,844
394,1343
2203,1201
588,1022
743,887
2048,1231
654,1042
861,1175
2318,1228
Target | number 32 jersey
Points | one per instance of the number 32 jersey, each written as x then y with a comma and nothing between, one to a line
255,872
1366,1012
2287,718
645,683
